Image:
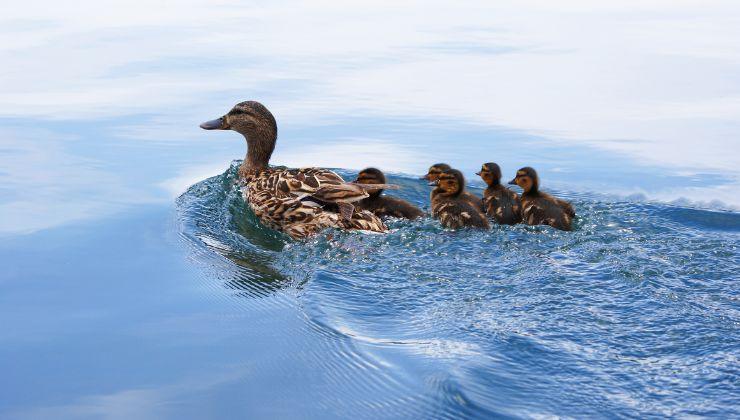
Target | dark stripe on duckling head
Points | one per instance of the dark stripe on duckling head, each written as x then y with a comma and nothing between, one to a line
452,182
371,176
372,173
495,171
528,179
435,170
490,173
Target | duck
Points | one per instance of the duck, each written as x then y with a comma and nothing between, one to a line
437,169
380,205
499,202
299,202
539,208
450,206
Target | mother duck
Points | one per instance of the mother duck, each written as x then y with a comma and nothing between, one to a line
299,202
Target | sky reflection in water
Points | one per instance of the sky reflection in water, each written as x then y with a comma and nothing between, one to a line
641,98
99,111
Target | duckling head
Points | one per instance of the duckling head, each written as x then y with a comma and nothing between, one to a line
435,170
450,183
527,179
490,173
371,176
256,123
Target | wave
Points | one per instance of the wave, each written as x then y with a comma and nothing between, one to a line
639,297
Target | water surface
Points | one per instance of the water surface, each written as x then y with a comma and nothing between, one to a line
134,282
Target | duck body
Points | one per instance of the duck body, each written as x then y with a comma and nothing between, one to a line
302,202
543,209
299,202
436,170
503,205
451,207
499,202
458,213
383,205
539,208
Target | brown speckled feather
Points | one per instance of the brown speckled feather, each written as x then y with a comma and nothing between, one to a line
503,205
457,212
302,202
543,209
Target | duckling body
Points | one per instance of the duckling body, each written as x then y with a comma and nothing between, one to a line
451,207
437,169
299,202
499,202
382,205
539,208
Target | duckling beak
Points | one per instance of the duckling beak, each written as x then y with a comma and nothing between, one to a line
434,183
217,124
478,173
425,177
512,182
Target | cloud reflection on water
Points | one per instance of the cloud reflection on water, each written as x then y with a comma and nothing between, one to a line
655,82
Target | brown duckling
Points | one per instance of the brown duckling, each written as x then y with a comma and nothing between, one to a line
539,208
450,206
381,205
437,169
499,202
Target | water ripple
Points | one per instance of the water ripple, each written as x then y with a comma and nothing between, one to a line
635,312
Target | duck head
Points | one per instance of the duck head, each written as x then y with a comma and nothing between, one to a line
256,123
371,176
527,179
490,173
450,183
434,172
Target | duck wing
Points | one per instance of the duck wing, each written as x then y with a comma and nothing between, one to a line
567,207
295,200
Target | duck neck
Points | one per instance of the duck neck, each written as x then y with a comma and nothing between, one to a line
260,145
532,192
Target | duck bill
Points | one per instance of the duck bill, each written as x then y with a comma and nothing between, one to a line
217,124
478,173
425,177
512,182
434,183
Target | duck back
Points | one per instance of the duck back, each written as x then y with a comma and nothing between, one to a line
294,201
543,209
457,212
503,205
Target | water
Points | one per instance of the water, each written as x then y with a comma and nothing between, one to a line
636,312
134,282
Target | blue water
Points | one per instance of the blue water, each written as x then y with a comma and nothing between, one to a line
135,283
193,310
635,313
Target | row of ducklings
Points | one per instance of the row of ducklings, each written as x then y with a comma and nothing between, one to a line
456,208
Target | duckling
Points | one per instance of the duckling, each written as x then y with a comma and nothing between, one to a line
450,206
499,202
539,208
437,169
299,202
383,205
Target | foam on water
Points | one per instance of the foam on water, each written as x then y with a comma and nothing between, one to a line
634,312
